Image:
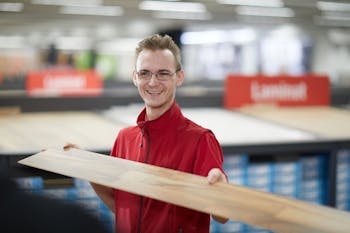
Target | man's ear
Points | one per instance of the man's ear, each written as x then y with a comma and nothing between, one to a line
180,78
134,79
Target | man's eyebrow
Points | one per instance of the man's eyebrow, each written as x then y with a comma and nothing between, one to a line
163,70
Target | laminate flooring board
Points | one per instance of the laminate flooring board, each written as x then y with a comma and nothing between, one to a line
277,213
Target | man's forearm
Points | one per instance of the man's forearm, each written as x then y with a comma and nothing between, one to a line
106,195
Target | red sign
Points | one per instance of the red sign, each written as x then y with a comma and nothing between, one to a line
64,83
280,90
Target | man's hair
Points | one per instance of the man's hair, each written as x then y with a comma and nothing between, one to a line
158,42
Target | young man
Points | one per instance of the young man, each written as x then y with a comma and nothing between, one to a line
162,137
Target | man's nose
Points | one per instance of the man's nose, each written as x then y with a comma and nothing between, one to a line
153,79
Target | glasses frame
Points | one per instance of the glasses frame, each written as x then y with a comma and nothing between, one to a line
157,75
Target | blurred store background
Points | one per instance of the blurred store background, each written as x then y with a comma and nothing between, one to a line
248,37
60,55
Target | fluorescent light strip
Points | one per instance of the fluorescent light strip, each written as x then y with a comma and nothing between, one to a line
92,10
183,15
172,6
333,6
265,11
263,3
11,7
67,2
238,36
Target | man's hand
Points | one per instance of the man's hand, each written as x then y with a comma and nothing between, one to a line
70,145
215,175
105,193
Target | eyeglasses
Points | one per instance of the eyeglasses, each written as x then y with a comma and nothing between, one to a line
161,75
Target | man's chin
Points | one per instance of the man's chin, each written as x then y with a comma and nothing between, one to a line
154,104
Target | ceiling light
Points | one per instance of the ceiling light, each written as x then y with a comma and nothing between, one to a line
238,36
265,11
172,6
92,10
11,7
264,3
67,2
333,6
183,15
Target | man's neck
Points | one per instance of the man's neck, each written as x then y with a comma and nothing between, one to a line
154,113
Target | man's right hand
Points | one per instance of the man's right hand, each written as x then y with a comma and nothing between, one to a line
70,145
105,193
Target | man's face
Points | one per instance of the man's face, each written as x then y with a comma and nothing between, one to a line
157,92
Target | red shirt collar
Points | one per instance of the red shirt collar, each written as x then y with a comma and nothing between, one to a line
167,119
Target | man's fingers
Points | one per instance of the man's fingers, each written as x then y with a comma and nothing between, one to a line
69,146
215,175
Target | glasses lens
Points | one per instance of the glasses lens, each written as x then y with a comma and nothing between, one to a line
164,75
144,74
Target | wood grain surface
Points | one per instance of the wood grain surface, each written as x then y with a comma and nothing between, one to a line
270,211
324,121
28,133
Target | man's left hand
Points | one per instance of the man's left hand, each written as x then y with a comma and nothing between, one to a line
215,175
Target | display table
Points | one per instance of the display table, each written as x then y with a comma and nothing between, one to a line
26,133
230,128
324,121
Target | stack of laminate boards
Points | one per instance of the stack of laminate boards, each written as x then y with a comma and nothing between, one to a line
23,133
323,121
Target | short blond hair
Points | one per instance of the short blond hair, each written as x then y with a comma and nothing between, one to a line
158,42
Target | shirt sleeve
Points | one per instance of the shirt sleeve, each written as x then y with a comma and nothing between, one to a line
208,155
114,148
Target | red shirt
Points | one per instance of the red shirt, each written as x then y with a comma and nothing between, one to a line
171,141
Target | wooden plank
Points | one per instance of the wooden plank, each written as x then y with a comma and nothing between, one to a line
277,213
